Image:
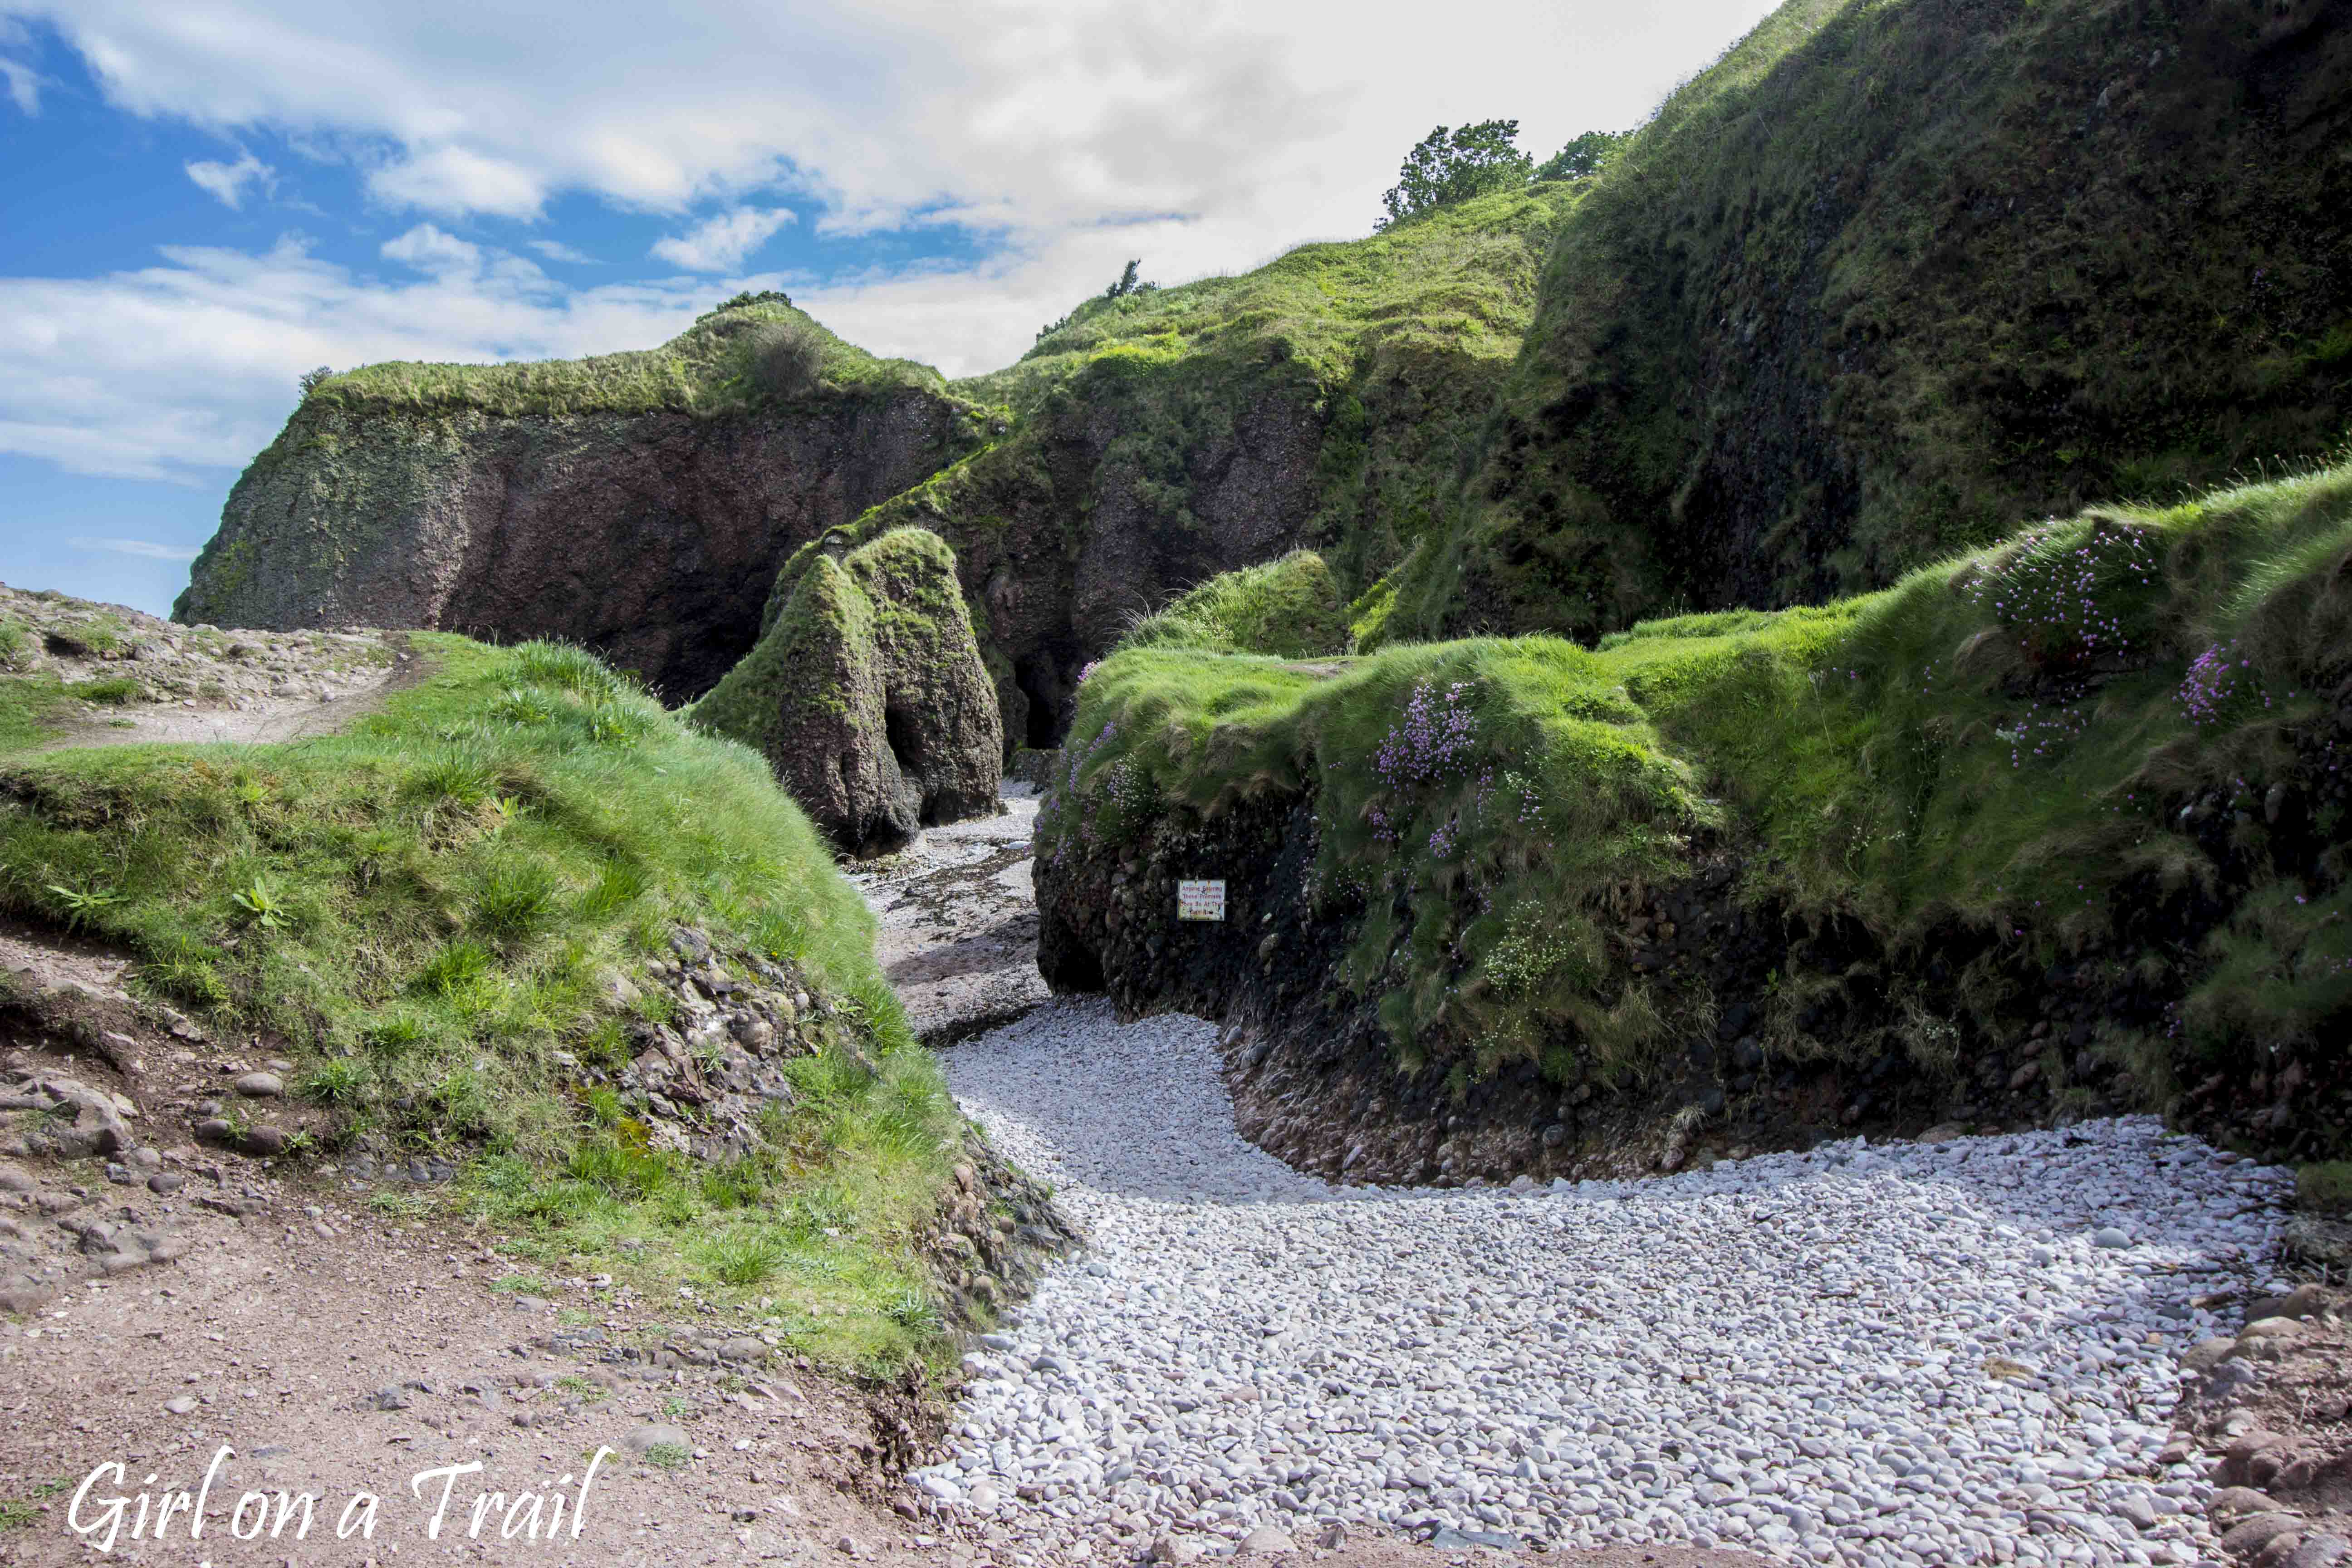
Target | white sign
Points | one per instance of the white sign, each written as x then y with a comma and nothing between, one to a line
1201,900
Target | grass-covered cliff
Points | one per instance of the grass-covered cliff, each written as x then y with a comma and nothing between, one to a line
1889,278
2064,816
522,919
1329,399
637,503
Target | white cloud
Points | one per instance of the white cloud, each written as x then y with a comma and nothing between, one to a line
447,179
1037,119
23,85
1068,134
184,370
721,244
428,250
556,250
227,180
143,547
23,82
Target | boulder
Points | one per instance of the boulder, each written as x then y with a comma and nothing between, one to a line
866,693
82,1121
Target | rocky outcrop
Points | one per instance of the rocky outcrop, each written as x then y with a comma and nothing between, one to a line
1063,543
866,693
1953,1030
650,537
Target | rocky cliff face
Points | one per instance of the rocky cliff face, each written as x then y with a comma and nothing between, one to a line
1062,542
639,503
651,538
866,693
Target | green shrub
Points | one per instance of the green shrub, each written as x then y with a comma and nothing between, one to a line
785,360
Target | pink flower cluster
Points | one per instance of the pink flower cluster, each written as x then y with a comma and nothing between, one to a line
2216,678
2053,599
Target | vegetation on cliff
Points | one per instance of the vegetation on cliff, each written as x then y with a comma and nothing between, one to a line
716,366
1290,607
2108,746
444,915
1886,280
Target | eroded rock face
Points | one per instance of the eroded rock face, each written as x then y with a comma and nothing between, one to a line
651,538
867,692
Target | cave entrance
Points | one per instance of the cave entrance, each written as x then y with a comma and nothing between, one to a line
1040,679
904,735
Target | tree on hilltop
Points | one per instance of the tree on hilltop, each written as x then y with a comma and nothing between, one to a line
1452,166
1582,157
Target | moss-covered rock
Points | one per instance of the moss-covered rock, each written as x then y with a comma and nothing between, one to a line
867,692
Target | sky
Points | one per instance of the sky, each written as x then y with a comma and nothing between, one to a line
201,200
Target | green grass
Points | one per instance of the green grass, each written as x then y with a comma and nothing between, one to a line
1999,746
2325,1188
1289,607
33,709
1458,279
704,370
430,905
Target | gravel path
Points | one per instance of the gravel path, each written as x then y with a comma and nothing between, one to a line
1958,1353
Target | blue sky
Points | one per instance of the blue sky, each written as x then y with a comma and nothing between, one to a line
203,202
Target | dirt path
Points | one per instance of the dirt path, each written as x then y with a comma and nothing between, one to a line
125,677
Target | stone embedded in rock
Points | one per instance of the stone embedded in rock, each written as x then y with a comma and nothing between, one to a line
644,1440
2323,1550
866,693
2249,1537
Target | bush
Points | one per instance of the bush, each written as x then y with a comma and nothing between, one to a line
787,357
